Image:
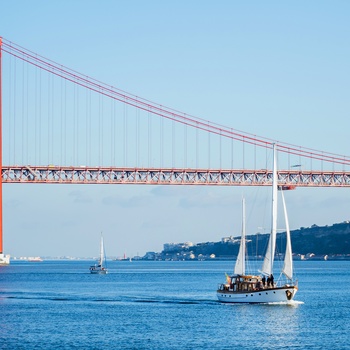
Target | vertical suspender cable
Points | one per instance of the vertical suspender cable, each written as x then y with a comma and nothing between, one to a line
27,117
74,123
114,133
231,152
61,124
149,140
112,138
23,138
138,138
86,125
255,156
10,110
102,130
161,141
78,129
197,151
220,140
14,112
90,131
48,117
185,145
53,134
36,117
65,124
173,143
208,146
243,149
40,105
125,134
99,129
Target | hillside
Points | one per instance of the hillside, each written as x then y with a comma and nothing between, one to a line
315,240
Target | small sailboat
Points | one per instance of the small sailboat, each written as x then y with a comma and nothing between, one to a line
244,288
100,267
4,259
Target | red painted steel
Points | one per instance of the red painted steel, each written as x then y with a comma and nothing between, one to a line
1,248
163,111
288,179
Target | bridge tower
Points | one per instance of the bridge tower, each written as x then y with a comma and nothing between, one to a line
4,259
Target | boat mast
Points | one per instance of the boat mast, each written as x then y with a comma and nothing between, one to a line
274,208
101,251
240,262
267,267
243,236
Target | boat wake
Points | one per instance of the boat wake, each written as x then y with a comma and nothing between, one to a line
288,303
119,299
170,301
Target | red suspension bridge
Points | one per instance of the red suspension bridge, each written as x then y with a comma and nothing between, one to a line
60,126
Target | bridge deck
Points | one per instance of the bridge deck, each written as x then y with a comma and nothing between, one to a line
168,176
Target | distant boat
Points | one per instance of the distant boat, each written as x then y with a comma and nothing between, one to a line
34,259
100,267
4,259
244,288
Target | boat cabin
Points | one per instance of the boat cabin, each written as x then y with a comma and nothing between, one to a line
241,283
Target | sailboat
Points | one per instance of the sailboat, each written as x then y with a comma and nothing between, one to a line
261,287
4,259
100,267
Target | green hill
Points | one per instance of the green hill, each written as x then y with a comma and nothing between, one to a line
312,241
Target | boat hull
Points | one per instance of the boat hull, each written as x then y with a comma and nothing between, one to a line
100,272
271,295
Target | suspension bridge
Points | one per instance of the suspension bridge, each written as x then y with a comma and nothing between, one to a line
60,126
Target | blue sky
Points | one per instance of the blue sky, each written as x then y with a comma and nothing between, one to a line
275,69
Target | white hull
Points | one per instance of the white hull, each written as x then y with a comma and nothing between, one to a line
36,259
98,272
4,260
270,295
98,269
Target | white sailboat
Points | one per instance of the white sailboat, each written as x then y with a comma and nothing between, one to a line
4,259
100,267
243,288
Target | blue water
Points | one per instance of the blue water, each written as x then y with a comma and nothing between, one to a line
165,305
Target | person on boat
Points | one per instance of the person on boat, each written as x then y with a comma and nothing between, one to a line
258,286
268,281
263,280
271,280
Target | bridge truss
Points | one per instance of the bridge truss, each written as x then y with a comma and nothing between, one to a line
156,176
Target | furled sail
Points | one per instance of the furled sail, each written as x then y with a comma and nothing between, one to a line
240,262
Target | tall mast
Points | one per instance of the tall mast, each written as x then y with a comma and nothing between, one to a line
267,267
274,208
101,250
243,236
240,262
1,248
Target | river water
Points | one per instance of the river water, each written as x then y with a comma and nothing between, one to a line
166,305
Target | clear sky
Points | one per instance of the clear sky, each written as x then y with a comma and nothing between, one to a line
278,69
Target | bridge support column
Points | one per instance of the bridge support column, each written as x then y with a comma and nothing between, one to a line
4,259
